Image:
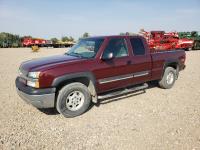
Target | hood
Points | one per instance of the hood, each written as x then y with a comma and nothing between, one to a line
36,64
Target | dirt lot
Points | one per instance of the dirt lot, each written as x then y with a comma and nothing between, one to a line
158,119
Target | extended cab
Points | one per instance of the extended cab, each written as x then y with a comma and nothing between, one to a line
96,67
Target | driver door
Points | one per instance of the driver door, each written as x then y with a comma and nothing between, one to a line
115,72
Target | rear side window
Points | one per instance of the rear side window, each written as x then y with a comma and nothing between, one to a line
137,46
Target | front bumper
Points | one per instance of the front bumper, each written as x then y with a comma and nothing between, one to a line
40,98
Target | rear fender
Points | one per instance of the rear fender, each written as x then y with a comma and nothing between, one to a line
171,63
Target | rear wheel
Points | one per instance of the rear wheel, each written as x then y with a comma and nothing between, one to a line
168,78
73,100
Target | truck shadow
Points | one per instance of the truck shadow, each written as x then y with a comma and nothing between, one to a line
49,111
53,111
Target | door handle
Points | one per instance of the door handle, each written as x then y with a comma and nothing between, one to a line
129,62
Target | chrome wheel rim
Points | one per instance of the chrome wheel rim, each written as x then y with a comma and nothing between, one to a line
75,100
170,78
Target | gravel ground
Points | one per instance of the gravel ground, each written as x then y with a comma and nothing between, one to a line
158,119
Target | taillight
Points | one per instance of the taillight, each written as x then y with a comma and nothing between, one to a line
183,58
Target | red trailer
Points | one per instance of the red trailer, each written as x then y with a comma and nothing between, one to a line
28,42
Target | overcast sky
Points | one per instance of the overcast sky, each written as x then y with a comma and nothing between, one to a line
57,18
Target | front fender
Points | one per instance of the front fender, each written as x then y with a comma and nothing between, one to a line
75,76
60,79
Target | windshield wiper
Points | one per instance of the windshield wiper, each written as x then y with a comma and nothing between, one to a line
74,54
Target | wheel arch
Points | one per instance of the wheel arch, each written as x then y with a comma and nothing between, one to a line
171,63
86,78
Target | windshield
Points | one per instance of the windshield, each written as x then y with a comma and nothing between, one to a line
86,48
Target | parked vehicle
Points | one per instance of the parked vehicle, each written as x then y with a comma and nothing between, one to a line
96,68
60,44
191,36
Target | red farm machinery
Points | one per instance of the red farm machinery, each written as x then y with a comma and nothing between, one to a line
28,42
166,41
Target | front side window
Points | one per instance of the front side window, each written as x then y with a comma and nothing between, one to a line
86,48
117,47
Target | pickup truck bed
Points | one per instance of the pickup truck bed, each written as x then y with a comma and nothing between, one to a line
162,59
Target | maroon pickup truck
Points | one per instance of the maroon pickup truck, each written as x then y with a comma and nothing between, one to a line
96,68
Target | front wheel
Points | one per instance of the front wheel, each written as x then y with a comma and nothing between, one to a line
73,100
168,78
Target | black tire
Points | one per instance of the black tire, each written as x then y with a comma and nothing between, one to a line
196,45
63,99
164,83
188,49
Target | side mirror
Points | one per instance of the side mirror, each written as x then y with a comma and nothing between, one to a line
108,56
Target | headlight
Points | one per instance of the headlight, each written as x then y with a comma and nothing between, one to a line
34,75
33,79
34,84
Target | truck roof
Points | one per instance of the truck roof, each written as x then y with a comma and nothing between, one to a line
114,36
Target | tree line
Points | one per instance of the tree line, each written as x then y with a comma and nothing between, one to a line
13,40
69,39
10,40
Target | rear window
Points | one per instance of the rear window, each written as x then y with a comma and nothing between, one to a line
137,46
